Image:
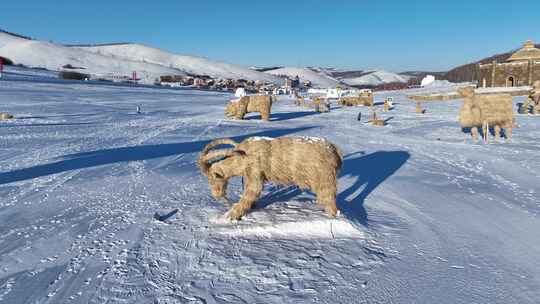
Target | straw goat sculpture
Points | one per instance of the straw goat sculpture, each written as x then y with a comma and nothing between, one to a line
532,103
248,104
309,163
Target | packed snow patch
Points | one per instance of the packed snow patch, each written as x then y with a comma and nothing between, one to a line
290,220
314,229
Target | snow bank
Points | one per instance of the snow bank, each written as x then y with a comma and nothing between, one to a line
310,229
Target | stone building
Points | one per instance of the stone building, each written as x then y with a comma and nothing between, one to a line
521,69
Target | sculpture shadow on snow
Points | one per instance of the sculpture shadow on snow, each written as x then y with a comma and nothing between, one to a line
124,154
284,116
367,171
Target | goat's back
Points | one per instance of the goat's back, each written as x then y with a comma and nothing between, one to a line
258,102
306,161
495,108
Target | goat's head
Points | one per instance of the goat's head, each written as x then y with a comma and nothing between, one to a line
466,91
536,86
217,165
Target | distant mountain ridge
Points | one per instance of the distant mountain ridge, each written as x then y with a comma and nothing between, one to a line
117,60
15,34
96,44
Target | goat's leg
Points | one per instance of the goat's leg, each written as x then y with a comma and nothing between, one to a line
485,131
497,132
251,193
508,133
474,133
327,198
265,115
241,111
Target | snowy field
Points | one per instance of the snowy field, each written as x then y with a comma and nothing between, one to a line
425,217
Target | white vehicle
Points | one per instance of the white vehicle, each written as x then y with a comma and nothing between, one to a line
240,92
428,80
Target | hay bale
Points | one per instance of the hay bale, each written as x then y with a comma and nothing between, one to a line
376,121
322,106
366,97
5,116
357,101
419,108
532,103
238,108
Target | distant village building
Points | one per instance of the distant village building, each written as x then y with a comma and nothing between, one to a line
292,83
521,69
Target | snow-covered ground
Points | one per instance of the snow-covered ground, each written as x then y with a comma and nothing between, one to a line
425,217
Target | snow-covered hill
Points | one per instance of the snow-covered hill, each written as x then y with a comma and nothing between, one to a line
53,57
189,64
120,60
317,79
376,78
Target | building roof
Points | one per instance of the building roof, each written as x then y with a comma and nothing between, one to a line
527,52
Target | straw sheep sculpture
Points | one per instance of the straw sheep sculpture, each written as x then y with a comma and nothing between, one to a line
308,162
388,104
494,110
375,120
532,103
238,108
299,101
323,107
320,105
5,116
364,99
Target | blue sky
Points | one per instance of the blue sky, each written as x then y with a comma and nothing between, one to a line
393,35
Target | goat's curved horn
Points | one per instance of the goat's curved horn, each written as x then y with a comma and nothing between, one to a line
206,157
217,142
